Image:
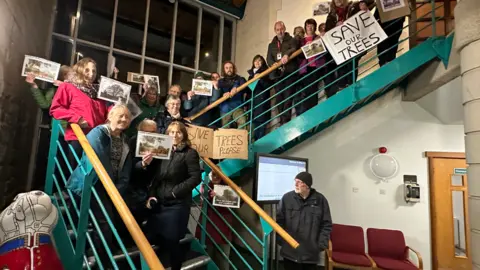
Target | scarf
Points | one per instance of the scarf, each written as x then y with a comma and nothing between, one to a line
176,116
341,13
90,90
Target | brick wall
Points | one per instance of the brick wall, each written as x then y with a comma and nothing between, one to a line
24,26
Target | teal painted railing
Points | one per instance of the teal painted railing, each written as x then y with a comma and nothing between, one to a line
248,256
349,99
78,223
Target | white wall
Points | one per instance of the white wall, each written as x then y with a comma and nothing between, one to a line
339,159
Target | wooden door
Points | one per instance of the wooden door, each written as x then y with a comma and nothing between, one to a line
449,211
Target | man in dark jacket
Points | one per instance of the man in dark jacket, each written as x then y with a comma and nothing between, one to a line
304,213
280,49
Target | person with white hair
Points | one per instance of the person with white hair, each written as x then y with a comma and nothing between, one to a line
171,114
111,146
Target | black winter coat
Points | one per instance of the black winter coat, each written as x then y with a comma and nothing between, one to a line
176,177
308,221
164,119
260,97
140,179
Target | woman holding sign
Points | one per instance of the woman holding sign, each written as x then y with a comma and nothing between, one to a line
171,194
76,102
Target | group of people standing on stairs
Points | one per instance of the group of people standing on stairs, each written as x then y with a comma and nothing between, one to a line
159,192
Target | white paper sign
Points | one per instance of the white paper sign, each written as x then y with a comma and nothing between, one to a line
356,35
225,197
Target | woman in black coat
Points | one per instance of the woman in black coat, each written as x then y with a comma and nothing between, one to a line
171,194
258,66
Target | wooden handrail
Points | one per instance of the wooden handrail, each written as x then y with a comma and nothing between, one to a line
244,86
287,237
117,200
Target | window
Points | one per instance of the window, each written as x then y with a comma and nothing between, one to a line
160,23
227,40
183,78
66,14
96,20
175,46
129,30
209,42
186,35
61,51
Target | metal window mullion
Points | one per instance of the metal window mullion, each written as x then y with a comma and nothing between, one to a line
75,32
199,39
220,44
234,40
114,25
145,35
172,42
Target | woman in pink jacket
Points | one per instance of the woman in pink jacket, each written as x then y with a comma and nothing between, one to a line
76,102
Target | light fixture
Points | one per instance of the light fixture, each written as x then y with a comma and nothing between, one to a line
382,165
207,54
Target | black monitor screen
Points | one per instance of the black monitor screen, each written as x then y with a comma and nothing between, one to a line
275,176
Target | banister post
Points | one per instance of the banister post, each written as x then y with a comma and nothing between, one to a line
83,217
267,230
52,153
434,19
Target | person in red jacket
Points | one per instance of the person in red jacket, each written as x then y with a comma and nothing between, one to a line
224,229
76,102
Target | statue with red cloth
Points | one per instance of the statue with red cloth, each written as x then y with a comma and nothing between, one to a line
25,233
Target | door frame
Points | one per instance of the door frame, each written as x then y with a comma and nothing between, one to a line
431,155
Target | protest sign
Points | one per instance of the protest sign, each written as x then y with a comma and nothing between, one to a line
356,35
219,144
392,9
201,139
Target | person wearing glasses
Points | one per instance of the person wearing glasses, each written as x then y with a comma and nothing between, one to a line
305,214
172,113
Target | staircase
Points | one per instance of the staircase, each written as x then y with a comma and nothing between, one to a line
77,222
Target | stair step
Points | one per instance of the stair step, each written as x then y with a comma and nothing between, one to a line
134,252
194,263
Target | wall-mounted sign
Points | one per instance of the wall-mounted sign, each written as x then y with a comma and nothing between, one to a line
460,171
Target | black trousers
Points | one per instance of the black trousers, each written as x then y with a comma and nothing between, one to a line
285,95
387,49
166,226
308,102
291,265
77,148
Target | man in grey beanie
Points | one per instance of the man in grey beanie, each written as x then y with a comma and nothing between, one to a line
304,213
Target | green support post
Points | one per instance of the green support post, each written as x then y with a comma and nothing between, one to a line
267,230
52,153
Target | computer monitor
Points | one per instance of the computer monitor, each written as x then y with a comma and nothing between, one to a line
275,176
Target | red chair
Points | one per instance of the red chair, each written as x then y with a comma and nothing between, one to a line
389,251
346,248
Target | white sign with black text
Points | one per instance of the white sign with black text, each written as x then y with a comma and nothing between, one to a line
356,35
